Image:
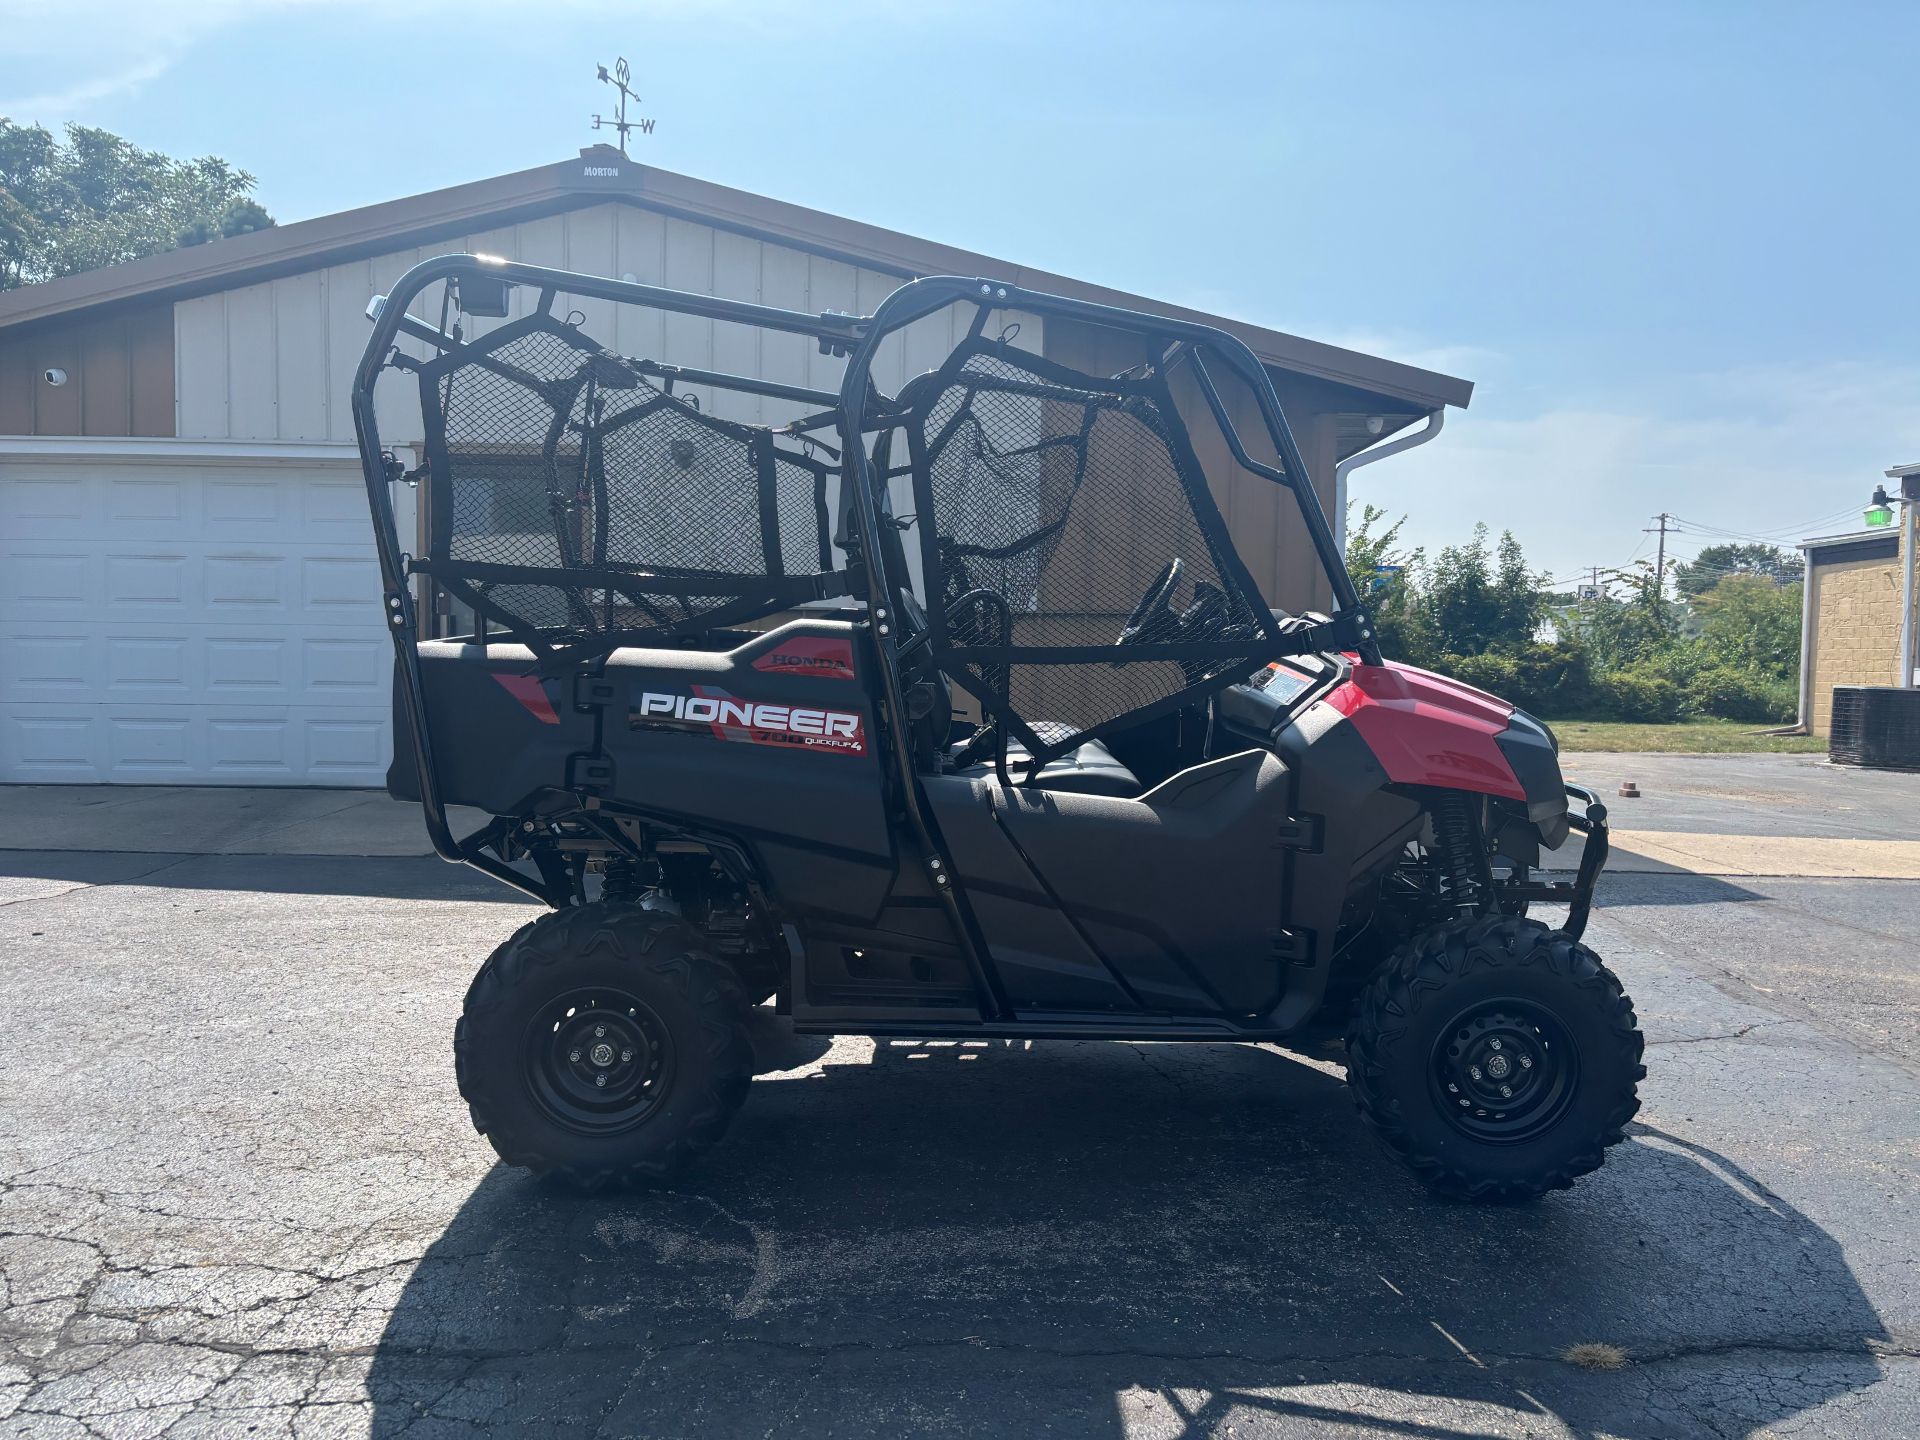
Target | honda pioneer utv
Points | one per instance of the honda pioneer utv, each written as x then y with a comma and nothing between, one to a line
944,709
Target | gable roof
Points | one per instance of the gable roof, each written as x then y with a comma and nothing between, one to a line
601,174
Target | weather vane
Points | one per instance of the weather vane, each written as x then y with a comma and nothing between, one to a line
618,79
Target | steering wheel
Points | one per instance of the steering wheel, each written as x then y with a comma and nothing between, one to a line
1154,606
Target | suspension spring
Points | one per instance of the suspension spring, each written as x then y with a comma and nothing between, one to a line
624,880
1455,836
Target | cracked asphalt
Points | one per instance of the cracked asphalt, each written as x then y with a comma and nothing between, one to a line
241,1197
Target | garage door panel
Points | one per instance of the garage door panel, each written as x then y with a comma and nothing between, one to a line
336,510
351,749
332,583
167,622
155,662
39,504
153,506
194,744
248,666
143,582
49,664
352,669
246,508
262,586
52,580
45,742
323,584
149,746
252,749
151,667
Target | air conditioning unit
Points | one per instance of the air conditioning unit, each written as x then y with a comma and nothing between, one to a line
1877,725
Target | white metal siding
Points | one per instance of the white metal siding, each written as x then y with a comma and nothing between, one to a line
275,361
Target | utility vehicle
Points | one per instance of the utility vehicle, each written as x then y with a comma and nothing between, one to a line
950,711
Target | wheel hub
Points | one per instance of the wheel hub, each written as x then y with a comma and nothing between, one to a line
1504,1070
598,1061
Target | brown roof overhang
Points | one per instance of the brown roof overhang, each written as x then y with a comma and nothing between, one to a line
600,175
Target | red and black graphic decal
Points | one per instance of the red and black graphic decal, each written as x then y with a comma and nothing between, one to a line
531,693
828,656
710,710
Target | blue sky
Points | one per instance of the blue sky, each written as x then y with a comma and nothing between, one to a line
1674,244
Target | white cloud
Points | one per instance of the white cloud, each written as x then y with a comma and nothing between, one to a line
84,92
87,51
1775,451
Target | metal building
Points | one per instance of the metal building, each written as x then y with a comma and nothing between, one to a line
187,586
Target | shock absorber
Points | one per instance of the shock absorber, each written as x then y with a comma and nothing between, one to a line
1456,838
624,880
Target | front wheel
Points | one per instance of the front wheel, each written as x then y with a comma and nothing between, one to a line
603,1044
1497,1058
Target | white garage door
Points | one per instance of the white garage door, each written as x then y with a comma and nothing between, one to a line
189,613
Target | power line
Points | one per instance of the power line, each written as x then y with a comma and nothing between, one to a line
1765,537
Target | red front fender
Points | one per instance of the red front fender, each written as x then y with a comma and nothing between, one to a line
1425,729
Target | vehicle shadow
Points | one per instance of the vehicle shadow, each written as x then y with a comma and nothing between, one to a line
1084,1239
389,877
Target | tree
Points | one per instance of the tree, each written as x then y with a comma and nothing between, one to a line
1471,602
1693,578
1620,634
95,199
1751,623
1382,572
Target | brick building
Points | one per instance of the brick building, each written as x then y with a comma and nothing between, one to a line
1851,631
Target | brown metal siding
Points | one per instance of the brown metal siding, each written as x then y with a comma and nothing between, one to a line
1262,518
119,377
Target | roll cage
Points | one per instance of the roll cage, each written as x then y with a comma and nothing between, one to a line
636,518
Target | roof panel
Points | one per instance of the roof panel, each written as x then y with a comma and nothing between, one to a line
601,174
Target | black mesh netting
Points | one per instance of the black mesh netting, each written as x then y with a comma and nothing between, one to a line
575,498
1065,500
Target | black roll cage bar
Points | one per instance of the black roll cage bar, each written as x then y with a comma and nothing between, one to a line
857,407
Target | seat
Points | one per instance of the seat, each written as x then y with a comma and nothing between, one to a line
1087,769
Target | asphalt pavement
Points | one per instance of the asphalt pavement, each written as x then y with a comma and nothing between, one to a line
239,1195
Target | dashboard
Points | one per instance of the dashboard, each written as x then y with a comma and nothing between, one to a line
1270,697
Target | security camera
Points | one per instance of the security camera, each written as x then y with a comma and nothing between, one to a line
54,375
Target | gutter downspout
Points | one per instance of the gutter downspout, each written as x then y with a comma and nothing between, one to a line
1909,542
1804,722
1435,420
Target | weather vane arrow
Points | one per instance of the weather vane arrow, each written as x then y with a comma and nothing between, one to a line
618,79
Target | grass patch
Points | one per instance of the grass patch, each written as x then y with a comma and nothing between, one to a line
1691,737
1594,1355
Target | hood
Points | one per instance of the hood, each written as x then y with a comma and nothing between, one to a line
1394,681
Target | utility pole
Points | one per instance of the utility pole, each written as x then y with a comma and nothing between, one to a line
1660,564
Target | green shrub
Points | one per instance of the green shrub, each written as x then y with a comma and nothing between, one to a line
1731,695
1493,673
1546,679
1551,678
1642,696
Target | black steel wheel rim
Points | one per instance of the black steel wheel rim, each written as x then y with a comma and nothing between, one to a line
1504,1071
599,1061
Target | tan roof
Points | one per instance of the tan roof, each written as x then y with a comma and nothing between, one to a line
602,174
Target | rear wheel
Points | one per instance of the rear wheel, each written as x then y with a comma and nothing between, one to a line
603,1044
1497,1058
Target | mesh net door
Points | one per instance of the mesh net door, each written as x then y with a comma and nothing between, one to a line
1062,497
578,504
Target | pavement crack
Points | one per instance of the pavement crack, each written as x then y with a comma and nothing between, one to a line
1739,1034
